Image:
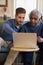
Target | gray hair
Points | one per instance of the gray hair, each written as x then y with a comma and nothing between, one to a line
36,12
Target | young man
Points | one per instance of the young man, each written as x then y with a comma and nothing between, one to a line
33,26
13,25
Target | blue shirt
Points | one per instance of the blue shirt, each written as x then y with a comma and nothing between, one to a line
38,29
32,29
8,28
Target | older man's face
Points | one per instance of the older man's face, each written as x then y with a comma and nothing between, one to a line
34,19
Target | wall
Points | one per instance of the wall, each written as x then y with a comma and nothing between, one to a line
40,6
9,11
27,4
13,4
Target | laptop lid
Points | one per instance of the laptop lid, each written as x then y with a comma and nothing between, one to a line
25,40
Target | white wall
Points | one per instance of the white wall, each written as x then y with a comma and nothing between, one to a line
27,4
13,4
40,6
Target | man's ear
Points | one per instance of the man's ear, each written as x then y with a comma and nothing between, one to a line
40,19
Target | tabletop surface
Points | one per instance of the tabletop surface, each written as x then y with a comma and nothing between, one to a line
24,49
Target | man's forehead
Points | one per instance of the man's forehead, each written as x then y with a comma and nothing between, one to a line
21,15
34,15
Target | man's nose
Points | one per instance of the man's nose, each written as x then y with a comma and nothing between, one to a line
33,20
22,19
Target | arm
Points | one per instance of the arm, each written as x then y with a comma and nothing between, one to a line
7,28
40,39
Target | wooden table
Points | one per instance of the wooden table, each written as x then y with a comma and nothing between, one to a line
14,53
26,50
21,44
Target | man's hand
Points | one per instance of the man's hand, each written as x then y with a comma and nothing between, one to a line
2,42
39,39
5,43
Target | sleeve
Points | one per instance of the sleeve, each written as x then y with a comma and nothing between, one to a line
41,32
7,28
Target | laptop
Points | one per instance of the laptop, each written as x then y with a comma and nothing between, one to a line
25,40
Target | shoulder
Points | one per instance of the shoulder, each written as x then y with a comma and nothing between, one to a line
25,23
10,21
24,27
41,23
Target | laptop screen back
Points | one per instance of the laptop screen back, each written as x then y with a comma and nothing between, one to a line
25,40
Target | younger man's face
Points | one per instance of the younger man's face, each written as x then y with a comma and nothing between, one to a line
20,18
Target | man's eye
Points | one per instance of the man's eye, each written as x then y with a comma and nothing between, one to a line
23,17
19,17
34,18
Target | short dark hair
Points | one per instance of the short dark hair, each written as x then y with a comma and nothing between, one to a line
20,10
